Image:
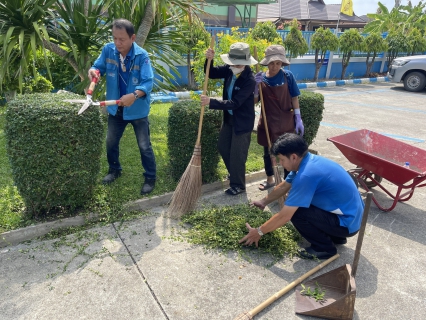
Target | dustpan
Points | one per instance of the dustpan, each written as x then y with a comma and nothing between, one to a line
338,284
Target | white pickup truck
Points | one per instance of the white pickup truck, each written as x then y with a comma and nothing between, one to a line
411,70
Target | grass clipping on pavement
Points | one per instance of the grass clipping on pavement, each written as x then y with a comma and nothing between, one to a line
222,227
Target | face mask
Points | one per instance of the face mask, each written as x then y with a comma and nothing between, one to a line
236,71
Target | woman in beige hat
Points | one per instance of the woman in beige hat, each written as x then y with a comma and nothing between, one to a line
238,110
281,104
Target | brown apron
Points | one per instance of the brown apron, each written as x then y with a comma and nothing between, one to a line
279,113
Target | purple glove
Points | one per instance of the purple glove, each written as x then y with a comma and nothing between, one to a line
258,78
300,129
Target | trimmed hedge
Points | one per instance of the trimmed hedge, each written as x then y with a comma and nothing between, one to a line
54,153
311,108
182,135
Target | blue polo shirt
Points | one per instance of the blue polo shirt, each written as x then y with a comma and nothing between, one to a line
326,185
282,77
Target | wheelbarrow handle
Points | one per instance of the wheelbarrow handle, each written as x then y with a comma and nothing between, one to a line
108,103
93,83
361,232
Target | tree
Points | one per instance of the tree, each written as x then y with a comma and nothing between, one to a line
223,44
416,41
266,31
384,20
373,44
77,29
404,17
322,40
196,32
160,28
397,42
349,41
23,28
415,17
295,44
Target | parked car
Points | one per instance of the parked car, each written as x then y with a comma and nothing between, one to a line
411,70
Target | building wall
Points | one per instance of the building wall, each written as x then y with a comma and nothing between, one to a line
228,16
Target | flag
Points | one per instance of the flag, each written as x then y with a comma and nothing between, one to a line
347,7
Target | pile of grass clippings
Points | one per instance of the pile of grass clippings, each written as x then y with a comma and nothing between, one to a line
222,227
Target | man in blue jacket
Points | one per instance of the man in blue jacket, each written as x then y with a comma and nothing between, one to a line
129,78
323,202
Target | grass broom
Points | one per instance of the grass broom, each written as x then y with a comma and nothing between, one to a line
250,314
188,189
277,175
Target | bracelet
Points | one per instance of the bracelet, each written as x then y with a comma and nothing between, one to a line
136,95
296,111
259,232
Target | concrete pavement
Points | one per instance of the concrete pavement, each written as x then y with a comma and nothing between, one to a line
136,270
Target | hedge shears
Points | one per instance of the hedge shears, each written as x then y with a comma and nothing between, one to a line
89,102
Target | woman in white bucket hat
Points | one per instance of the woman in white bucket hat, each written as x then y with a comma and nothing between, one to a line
281,104
238,110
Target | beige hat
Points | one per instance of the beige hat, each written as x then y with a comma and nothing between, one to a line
239,54
274,53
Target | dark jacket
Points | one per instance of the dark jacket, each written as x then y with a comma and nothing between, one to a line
242,102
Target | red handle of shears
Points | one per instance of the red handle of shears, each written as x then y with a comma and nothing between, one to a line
109,103
93,83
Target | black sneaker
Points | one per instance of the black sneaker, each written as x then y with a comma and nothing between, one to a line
111,176
311,254
338,241
148,186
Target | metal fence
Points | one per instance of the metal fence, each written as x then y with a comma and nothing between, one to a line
306,34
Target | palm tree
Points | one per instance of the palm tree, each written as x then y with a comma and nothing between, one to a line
160,29
77,29
23,27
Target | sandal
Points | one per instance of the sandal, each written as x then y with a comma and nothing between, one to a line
233,191
265,185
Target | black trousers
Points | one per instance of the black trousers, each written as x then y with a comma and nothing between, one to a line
234,151
269,170
320,227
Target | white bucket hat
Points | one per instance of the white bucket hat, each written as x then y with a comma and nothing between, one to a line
275,52
239,54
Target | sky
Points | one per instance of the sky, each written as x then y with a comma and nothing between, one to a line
362,7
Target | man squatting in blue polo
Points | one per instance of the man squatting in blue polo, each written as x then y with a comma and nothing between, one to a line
323,202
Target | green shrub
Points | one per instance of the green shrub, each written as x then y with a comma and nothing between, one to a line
265,31
311,107
182,135
37,85
53,152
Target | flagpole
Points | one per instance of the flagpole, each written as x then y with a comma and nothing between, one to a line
338,19
337,26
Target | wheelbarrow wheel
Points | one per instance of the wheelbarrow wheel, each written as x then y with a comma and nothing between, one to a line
370,183
353,178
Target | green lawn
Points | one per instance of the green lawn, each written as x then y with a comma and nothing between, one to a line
108,200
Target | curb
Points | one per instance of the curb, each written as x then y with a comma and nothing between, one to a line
175,96
14,237
341,82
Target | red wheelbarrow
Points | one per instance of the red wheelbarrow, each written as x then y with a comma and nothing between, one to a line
377,156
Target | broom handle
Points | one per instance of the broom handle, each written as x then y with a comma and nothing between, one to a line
361,232
277,295
206,80
261,100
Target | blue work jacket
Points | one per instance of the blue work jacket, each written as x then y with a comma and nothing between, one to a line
141,78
